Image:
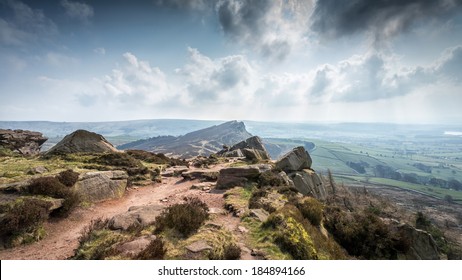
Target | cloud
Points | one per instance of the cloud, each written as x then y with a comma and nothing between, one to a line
24,25
60,60
100,51
225,79
78,10
382,20
199,5
136,82
272,28
450,64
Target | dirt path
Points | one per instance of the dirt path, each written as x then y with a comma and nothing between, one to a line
62,238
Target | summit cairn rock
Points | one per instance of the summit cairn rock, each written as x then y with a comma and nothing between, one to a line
297,165
82,141
23,142
295,160
252,149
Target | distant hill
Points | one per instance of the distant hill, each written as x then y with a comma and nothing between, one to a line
201,142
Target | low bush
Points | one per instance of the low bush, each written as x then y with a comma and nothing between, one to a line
186,218
290,234
68,178
154,251
24,216
270,178
254,201
312,210
125,161
50,186
363,234
229,251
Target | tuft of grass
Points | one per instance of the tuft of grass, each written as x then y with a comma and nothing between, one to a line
68,177
24,219
50,186
154,251
185,218
311,209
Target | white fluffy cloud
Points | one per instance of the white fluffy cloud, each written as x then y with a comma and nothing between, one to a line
137,82
272,28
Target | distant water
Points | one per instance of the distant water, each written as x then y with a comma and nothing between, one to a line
454,133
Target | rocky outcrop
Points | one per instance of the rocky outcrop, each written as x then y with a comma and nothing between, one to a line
24,142
422,245
135,216
134,247
82,141
101,185
295,160
239,176
297,172
251,148
307,182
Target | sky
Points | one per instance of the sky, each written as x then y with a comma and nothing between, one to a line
394,61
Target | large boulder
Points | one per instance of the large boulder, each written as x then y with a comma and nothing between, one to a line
239,176
23,142
251,148
82,141
422,244
295,160
136,216
307,182
101,185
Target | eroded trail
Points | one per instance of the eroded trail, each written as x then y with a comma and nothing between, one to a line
62,236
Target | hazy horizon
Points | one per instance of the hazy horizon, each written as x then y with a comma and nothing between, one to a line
393,62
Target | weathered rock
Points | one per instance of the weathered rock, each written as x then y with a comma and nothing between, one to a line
136,215
286,179
238,176
23,142
134,247
203,175
271,202
174,171
251,148
199,246
101,185
295,160
234,153
37,170
82,141
16,187
308,182
206,186
260,214
422,244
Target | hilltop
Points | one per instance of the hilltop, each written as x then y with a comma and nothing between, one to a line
201,142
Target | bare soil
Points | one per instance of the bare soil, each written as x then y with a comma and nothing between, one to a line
63,234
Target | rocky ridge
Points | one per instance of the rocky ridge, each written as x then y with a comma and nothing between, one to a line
23,142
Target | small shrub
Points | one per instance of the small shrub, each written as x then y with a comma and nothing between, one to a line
154,251
50,186
312,210
95,225
186,218
232,252
254,202
270,178
25,216
118,159
68,178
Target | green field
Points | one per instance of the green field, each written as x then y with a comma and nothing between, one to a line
444,160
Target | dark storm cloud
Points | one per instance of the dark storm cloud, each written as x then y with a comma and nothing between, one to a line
382,18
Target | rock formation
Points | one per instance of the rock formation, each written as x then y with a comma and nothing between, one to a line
297,166
238,176
82,141
202,142
101,185
422,246
252,148
23,142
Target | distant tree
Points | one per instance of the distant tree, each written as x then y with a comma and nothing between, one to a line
448,198
455,185
331,181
